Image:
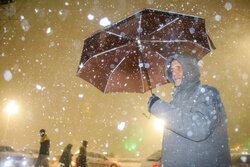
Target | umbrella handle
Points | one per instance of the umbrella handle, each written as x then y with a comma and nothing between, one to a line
148,117
149,83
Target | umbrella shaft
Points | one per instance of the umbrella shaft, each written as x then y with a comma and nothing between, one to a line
146,71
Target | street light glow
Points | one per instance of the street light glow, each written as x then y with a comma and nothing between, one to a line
159,124
11,108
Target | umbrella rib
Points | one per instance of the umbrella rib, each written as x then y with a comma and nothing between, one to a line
166,41
141,77
140,27
113,72
107,51
164,26
161,55
120,36
114,34
169,41
82,65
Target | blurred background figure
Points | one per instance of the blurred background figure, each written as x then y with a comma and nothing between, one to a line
42,159
81,160
66,156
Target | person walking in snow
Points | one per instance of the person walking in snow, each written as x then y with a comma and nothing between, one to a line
42,159
66,156
195,134
82,158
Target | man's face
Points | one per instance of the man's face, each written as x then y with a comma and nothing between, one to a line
42,134
177,72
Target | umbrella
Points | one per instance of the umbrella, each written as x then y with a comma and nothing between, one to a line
129,56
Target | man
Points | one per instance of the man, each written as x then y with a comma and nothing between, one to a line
82,158
196,122
42,159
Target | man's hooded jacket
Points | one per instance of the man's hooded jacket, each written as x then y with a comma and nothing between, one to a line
196,122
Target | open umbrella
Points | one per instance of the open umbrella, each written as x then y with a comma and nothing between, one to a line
129,56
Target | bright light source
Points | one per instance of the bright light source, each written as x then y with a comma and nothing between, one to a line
159,124
24,163
8,163
11,108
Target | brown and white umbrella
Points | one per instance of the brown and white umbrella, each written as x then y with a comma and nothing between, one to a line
129,56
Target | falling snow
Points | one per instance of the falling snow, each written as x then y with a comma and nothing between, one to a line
202,90
192,30
40,50
39,87
66,4
91,17
121,126
217,17
200,63
80,95
48,31
104,22
25,25
228,6
7,75
60,12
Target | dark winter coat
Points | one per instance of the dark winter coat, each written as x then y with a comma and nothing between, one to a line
196,122
44,145
82,158
66,156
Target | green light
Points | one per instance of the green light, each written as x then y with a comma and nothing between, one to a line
133,146
130,147
126,146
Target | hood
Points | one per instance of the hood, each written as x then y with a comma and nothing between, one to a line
191,73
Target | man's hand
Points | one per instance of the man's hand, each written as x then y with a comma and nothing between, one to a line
152,100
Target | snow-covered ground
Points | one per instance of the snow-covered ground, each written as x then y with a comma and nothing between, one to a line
123,164
130,164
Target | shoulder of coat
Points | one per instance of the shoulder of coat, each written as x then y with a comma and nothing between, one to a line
208,89
44,138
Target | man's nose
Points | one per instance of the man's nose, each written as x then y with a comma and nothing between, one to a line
174,72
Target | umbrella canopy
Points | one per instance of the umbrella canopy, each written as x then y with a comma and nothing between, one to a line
129,56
